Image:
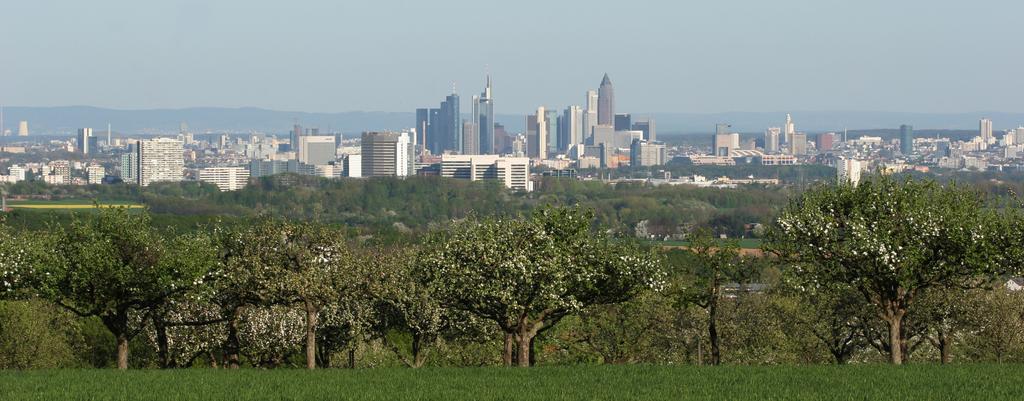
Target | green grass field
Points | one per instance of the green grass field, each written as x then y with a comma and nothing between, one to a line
862,382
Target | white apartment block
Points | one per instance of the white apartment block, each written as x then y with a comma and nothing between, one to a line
513,172
225,178
160,159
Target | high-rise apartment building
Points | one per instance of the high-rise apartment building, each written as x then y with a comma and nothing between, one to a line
225,178
907,139
848,171
317,150
160,159
985,131
59,172
606,102
23,128
130,165
386,154
94,174
513,172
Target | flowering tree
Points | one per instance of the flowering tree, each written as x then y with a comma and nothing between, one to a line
890,240
317,269
113,264
17,256
269,334
527,274
407,308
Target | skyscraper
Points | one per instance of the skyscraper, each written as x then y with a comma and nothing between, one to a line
907,139
293,140
724,141
450,125
571,126
483,112
386,154
985,130
606,102
826,141
623,122
647,127
130,164
542,134
160,159
23,128
771,139
551,131
589,114
798,144
84,137
422,126
788,130
441,128
470,146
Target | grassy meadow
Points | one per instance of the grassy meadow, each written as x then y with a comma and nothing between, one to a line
858,382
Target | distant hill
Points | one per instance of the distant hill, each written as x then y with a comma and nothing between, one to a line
65,120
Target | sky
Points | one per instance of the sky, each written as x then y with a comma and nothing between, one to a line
384,55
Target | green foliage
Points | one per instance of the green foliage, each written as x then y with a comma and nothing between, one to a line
36,334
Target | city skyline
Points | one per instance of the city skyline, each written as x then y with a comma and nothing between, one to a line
694,58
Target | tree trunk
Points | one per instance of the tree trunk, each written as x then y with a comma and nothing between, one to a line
311,318
524,349
162,343
232,346
509,349
716,353
417,352
352,358
122,351
895,320
700,351
945,348
213,359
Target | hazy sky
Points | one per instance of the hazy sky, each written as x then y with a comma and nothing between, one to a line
384,55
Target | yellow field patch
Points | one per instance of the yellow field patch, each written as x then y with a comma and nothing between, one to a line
65,206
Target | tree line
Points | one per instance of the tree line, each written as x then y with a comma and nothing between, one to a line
891,268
